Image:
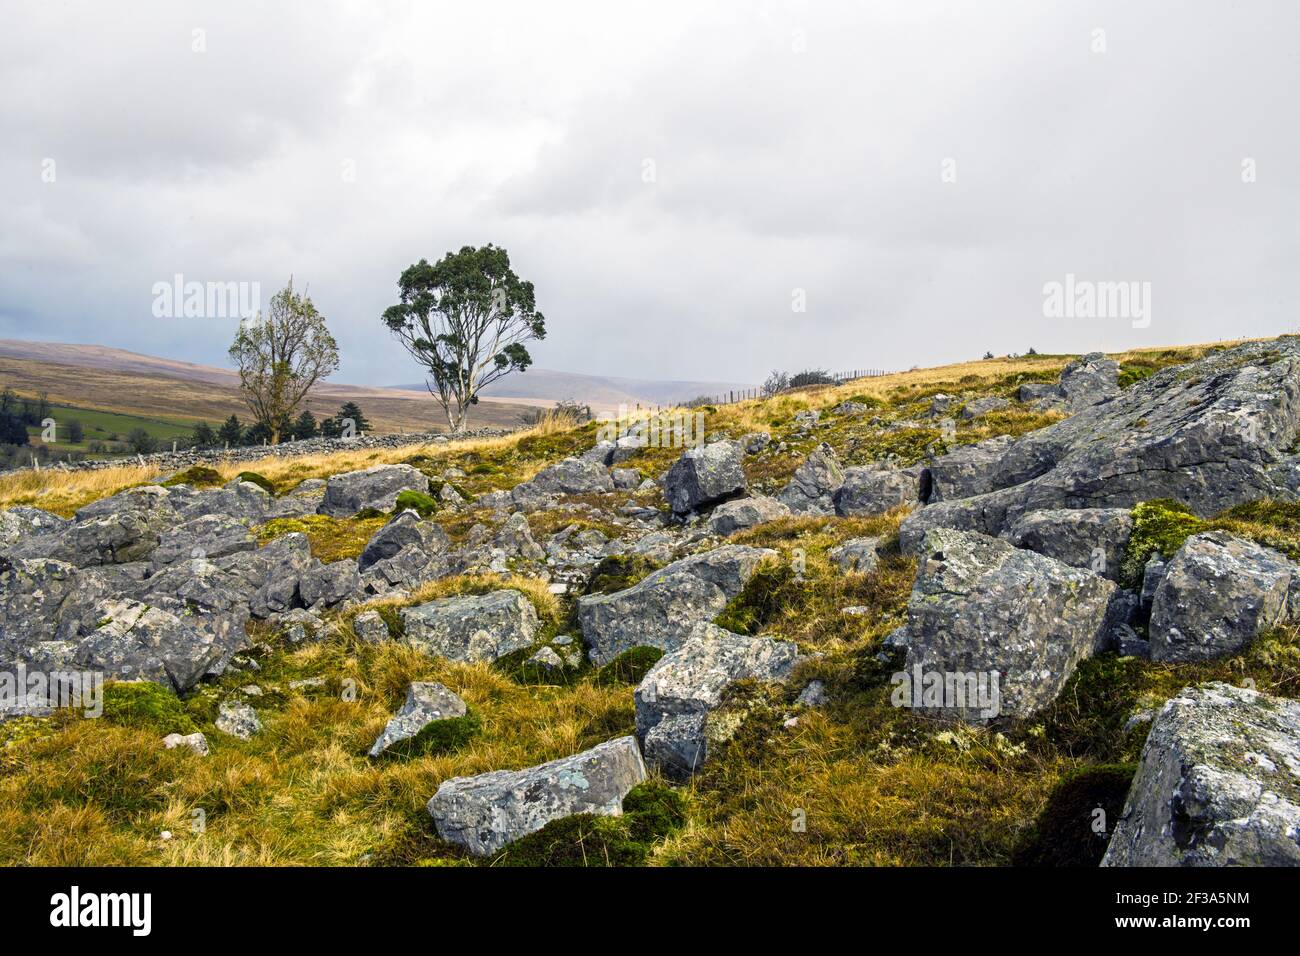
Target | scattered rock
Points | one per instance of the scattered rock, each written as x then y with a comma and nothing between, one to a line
238,719
741,513
426,702
815,482
704,476
195,742
857,555
875,490
376,487
369,626
472,627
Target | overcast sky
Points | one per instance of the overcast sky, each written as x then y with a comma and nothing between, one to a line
674,178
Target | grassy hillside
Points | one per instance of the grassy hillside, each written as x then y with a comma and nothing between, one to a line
858,782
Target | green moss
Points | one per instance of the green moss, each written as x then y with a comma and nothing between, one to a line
256,479
629,667
415,501
146,706
196,476
1161,525
651,812
1066,832
619,572
770,589
439,738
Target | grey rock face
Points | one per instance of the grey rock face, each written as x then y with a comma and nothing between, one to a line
662,609
965,471
426,702
406,530
1216,785
625,479
741,513
1218,594
376,487
873,491
330,585
516,539
238,719
704,476
369,626
1082,538
486,812
690,683
1211,434
812,489
857,555
472,627
23,522
210,536
979,407
1089,380
572,476
981,606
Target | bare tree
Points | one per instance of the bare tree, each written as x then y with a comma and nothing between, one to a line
281,356
464,319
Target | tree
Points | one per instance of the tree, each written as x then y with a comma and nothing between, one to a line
232,432
141,442
811,376
203,436
76,432
351,413
305,426
12,429
776,382
280,357
465,319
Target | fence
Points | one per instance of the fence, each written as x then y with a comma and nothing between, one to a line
746,394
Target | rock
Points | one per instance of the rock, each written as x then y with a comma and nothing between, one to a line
238,719
965,471
705,475
23,522
472,627
980,607
979,407
516,539
1152,574
661,609
857,555
813,695
1211,434
299,625
939,406
572,476
851,409
1216,785
376,488
489,811
211,536
1082,538
873,491
1218,594
547,659
426,702
625,479
806,419
741,513
1089,380
280,567
195,742
369,626
403,531
812,489
755,442
330,584
690,683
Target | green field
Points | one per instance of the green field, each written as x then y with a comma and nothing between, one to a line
109,427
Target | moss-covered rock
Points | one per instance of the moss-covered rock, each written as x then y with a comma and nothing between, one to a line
146,706
196,476
441,737
1160,526
416,501
254,478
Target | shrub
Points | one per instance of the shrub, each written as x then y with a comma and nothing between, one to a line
415,501
196,476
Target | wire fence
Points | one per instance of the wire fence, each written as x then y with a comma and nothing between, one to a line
747,394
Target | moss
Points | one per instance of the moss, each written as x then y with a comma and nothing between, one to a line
196,476
770,589
1087,718
651,812
439,738
415,501
630,667
1066,832
619,572
1161,525
331,539
146,706
256,479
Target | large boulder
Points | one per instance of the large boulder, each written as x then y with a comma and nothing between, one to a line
1217,595
812,489
981,607
661,609
1092,538
24,522
406,530
732,516
1211,434
1217,784
704,476
210,536
679,692
469,628
966,470
376,488
426,703
486,812
874,490
572,476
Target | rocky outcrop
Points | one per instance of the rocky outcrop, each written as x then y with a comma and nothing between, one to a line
572,476
472,627
376,488
732,516
662,609
677,695
979,407
979,608
704,476
812,489
406,530
965,471
1082,538
426,703
875,490
1217,595
485,813
1217,784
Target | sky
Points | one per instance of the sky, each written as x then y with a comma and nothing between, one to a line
702,190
